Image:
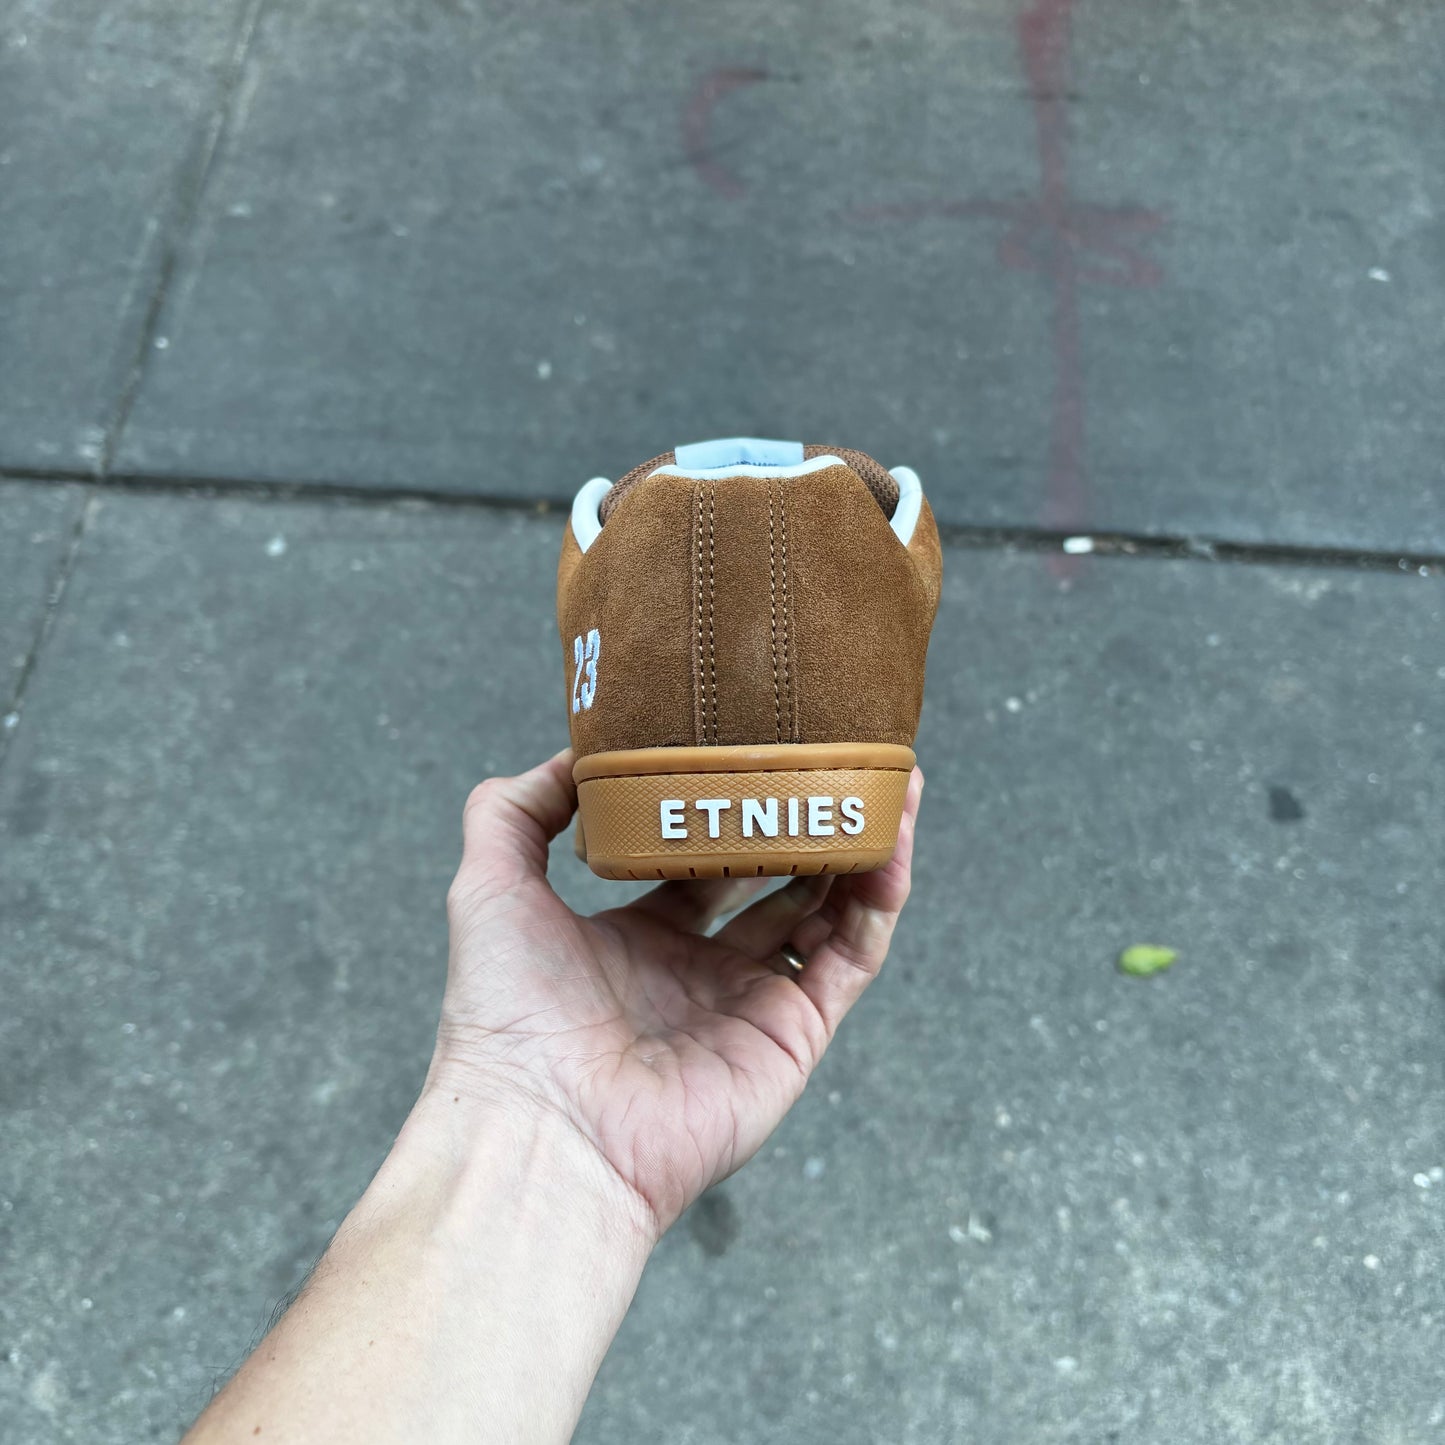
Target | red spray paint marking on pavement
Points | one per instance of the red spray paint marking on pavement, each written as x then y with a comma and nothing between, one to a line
1067,231
1055,235
697,123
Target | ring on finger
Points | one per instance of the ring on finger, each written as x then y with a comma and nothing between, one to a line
794,960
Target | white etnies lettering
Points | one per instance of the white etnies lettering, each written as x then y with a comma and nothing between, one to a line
670,811
713,807
766,818
820,813
813,814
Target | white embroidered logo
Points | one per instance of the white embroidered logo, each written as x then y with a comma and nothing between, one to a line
584,680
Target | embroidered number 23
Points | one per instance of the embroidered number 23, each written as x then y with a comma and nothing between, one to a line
584,680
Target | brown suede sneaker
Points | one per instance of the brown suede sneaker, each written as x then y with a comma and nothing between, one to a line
744,624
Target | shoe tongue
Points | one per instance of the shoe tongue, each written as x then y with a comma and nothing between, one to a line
747,451
739,452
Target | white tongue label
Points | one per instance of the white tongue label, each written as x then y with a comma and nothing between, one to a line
738,451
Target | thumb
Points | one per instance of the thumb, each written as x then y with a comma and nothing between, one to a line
508,823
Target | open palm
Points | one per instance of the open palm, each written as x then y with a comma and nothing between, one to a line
673,1053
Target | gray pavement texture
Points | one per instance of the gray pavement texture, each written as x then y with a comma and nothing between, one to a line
1025,1198
1156,268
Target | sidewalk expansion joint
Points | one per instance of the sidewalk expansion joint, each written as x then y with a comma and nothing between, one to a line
184,210
15,704
1172,547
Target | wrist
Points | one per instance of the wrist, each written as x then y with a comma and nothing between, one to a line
496,1145
498,1256
487,1267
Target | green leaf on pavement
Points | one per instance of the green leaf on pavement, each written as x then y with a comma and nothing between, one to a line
1140,960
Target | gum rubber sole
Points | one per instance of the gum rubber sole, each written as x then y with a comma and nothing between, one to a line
714,812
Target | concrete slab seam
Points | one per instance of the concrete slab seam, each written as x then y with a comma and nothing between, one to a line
182,220
15,705
1156,545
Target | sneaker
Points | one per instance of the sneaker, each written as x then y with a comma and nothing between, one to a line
744,625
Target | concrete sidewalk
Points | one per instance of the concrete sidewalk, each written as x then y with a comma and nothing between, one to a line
307,315
1026,1195
1125,266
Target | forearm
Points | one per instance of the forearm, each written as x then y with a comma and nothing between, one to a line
469,1296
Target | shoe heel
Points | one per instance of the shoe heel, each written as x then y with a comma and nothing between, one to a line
720,812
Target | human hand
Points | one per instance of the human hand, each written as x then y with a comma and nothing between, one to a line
669,1054
592,1077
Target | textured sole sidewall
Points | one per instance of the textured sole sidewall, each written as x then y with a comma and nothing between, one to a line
826,820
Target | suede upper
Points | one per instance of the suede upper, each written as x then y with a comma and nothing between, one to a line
748,609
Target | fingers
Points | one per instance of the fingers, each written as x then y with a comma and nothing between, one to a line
760,930
508,822
693,905
847,939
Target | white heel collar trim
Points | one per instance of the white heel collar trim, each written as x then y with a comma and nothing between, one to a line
587,511
910,503
587,505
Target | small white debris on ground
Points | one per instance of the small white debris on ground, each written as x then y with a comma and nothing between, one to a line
1378,273
1066,1364
544,370
162,342
977,1232
276,547
815,1168
1013,704
1078,546
1422,1181
1371,1261
47,1391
